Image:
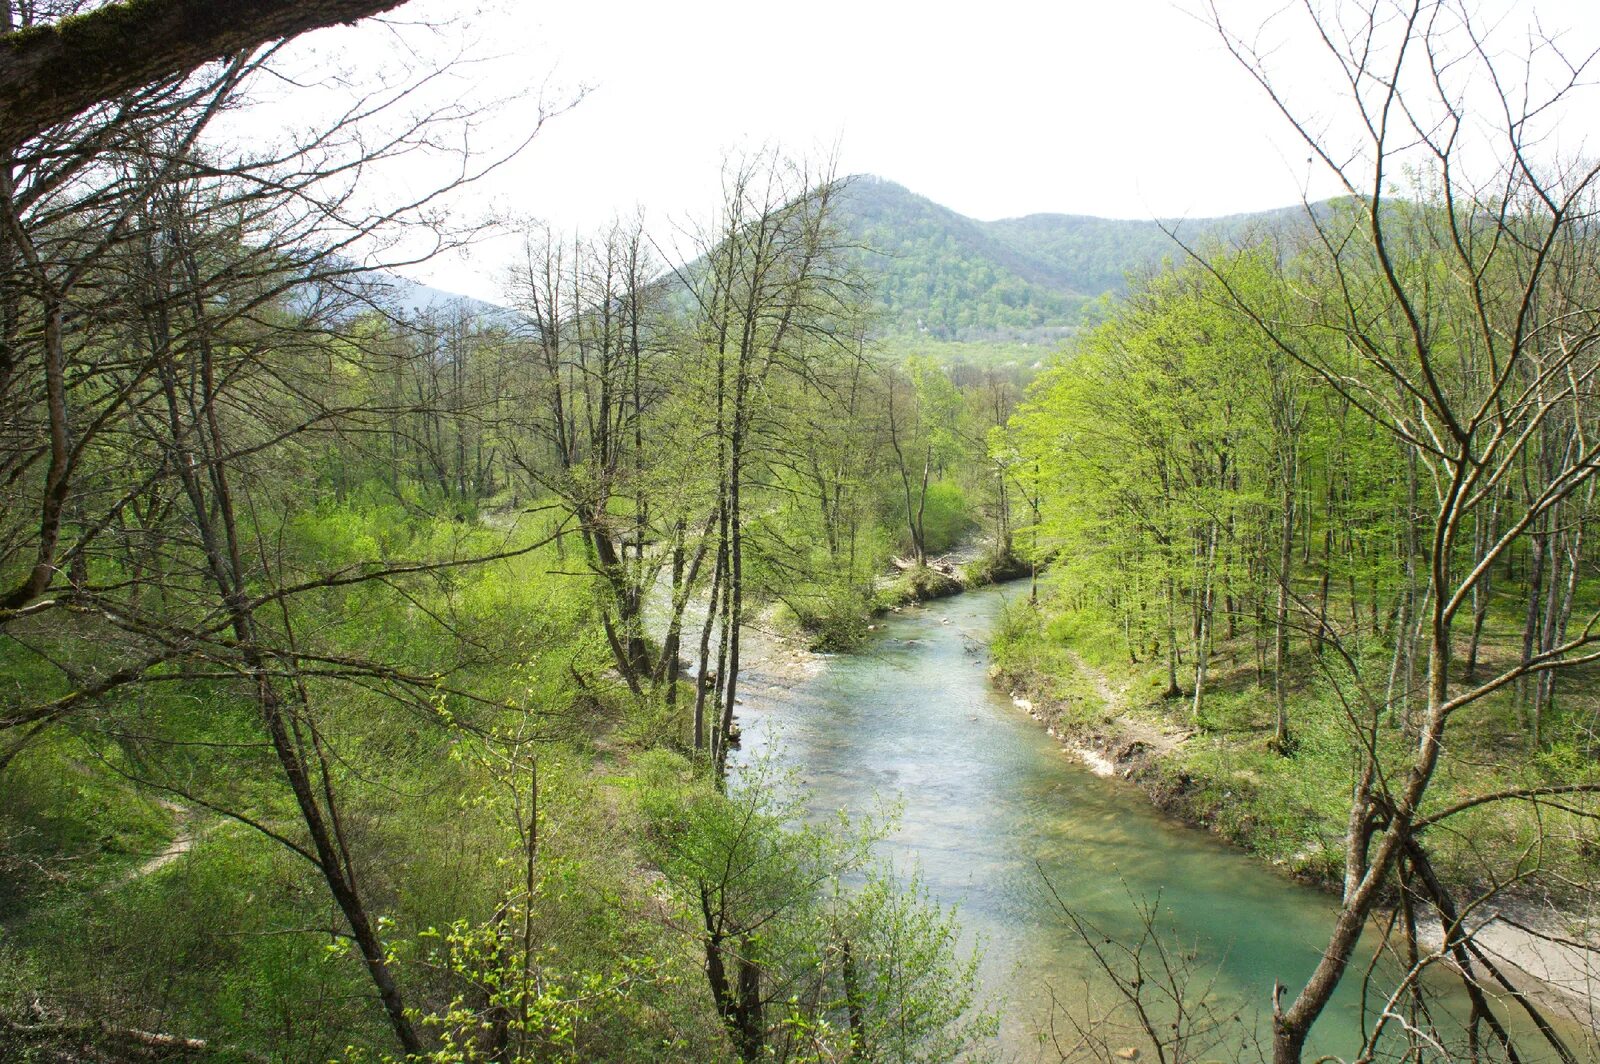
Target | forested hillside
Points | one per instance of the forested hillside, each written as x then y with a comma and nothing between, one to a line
981,292
940,276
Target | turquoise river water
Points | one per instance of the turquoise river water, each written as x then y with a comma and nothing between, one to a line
992,807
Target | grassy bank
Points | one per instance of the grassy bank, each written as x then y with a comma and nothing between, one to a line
1071,668
153,879
532,839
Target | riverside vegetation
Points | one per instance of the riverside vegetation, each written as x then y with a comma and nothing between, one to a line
333,724
1323,502
370,678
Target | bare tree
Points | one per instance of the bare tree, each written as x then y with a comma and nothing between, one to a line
769,293
1468,325
591,361
1160,1000
167,358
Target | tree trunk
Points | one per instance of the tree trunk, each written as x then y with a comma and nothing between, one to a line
702,679
1173,690
734,618
1202,645
48,73
1483,587
1530,625
1280,626
224,555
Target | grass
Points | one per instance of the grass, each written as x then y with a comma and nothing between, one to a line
238,940
1044,671
68,820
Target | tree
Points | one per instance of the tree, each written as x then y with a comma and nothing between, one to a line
1472,317
802,964
1139,438
181,334
925,434
50,72
586,432
769,299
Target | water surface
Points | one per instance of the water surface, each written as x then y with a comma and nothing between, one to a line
992,808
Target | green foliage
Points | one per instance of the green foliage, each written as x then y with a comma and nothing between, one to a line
222,940
834,966
529,999
906,992
920,583
1035,280
1188,467
941,276
947,518
1028,651
1291,811
994,566
62,814
832,617
347,578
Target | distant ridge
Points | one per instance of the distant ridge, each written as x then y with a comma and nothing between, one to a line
341,289
412,299
943,276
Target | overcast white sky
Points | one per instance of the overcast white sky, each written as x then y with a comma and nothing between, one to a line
1117,108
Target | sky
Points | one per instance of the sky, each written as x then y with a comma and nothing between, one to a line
1115,108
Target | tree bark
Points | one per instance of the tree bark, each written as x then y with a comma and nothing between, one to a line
48,73
1280,626
1202,642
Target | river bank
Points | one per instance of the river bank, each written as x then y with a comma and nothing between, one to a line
1550,948
1119,728
845,621
992,821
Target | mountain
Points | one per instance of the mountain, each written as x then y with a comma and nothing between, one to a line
940,276
943,276
412,299
343,289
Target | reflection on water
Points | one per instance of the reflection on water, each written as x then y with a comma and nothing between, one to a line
991,807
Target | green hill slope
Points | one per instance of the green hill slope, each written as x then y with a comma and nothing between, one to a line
941,276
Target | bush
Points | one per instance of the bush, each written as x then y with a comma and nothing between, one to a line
994,567
833,617
946,517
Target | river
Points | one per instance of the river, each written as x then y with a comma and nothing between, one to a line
992,808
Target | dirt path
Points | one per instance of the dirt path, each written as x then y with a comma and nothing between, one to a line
1112,697
183,841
